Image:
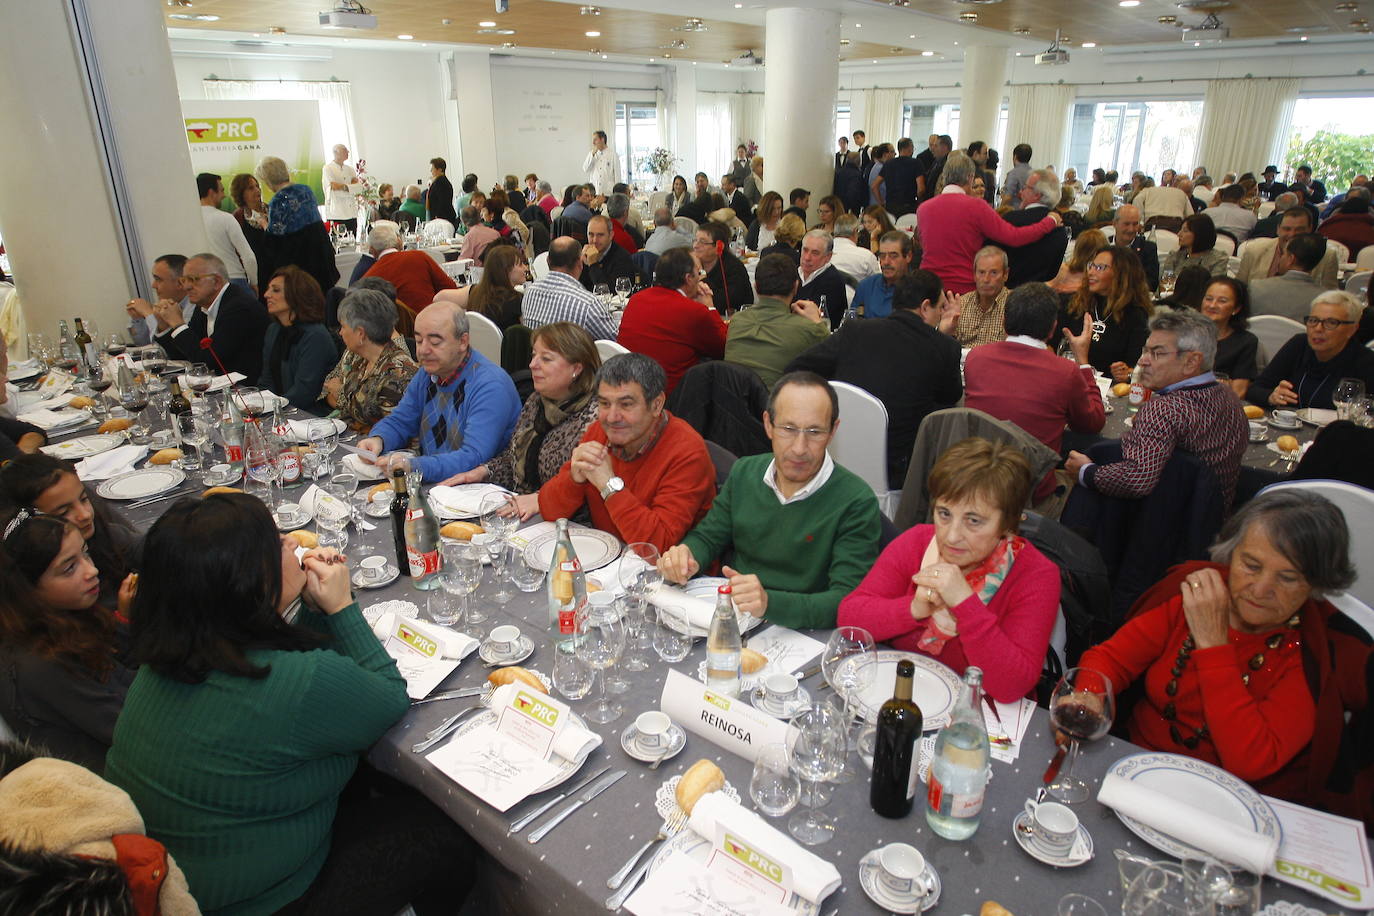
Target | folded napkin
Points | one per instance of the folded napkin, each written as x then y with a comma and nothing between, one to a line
364,470
109,464
220,382
463,501
699,611
50,420
1189,824
452,644
813,878
571,741
300,429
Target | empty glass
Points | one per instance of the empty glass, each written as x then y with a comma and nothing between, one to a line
1348,392
671,639
461,574
818,754
602,292
572,676
336,539
640,577
1080,905
442,609
324,439
527,578
774,787
601,639
849,666
194,431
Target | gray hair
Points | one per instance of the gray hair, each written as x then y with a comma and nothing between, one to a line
1047,183
273,171
1307,528
412,192
959,169
1285,201
1358,192
371,310
380,284
1203,181
992,251
543,187
846,227
338,146
663,217
633,367
471,216
1195,333
617,205
1353,307
822,234
214,263
383,235
460,316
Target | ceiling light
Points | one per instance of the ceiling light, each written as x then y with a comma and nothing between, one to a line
691,25
1088,44
590,11
896,50
927,53
652,59
858,25
739,6
1128,3
593,34
488,24
911,36
496,31
844,42
276,30
1303,38
727,64
446,22
875,60
1197,44
1347,7
899,2
979,2
405,37
604,56
968,17
1021,30
194,17
1167,20
504,44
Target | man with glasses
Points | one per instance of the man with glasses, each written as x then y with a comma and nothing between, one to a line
1306,370
674,322
233,319
167,285
873,297
1189,411
803,530
725,273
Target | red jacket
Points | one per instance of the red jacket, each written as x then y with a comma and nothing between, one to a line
1353,230
675,331
416,276
954,226
621,237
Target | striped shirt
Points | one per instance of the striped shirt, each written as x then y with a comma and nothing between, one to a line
559,297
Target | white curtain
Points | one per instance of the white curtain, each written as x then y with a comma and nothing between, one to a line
716,119
883,115
1245,123
335,98
603,112
1039,116
661,116
749,125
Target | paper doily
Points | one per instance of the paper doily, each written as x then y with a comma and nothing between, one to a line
665,799
405,609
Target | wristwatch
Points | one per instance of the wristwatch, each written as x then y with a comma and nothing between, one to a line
614,485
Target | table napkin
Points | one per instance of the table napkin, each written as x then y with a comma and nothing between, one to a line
109,464
51,420
364,470
1187,824
570,741
698,610
813,877
452,644
300,429
220,382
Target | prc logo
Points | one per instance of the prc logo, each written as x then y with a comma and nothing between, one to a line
539,711
220,130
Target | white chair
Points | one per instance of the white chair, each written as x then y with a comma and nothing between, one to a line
1166,241
1357,504
1342,252
456,270
1108,230
1365,259
686,225
1226,243
437,230
539,267
485,336
860,444
5,733
555,213
1266,208
1358,284
907,223
1273,332
656,200
608,348
1361,613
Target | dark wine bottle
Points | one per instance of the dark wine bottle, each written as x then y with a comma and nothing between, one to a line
895,754
400,506
178,405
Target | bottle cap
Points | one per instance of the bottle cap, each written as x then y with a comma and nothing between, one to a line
724,589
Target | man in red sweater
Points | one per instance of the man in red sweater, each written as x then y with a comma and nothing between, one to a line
643,474
1021,380
674,321
416,276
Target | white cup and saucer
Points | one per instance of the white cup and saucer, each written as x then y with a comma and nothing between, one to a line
1284,419
506,645
653,736
380,504
779,695
374,572
220,475
1258,432
1051,833
898,879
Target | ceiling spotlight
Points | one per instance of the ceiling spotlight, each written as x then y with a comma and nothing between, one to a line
1357,23
1020,30
194,17
496,31
406,37
979,2
505,44
486,24
1347,7
446,22
1167,20
1088,44
604,56
593,34
276,30
590,10
678,45
593,50
184,4
896,50
927,53
844,42
1128,3
739,6
899,2
968,17
691,25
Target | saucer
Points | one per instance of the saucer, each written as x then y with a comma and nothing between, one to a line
1256,440
223,480
761,701
297,519
905,903
524,648
1080,852
629,742
1296,424
392,573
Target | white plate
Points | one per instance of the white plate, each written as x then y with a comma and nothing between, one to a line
84,447
1316,416
1274,447
698,848
1079,853
706,588
873,887
1209,789
566,768
463,501
138,484
934,688
18,372
594,548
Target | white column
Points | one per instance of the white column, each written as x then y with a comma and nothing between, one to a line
685,121
85,206
471,76
984,83
801,78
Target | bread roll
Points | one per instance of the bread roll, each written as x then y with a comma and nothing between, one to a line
1288,443
378,490
1121,389
115,425
993,908
166,456
1253,412
307,539
701,777
213,490
513,673
593,586
81,401
461,531
751,661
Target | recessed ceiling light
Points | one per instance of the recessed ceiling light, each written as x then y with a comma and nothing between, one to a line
405,37
727,64
257,34
194,17
1347,7
1089,44
593,34
487,24
446,22
1197,44
1021,30
844,42
858,25
276,30
1128,3
739,6
652,59
1167,20
927,53
590,11
496,31
911,36
604,56
968,17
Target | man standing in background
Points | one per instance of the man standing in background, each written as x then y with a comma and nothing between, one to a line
439,201
340,180
600,165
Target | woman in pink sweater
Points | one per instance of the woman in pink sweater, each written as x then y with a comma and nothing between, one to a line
967,590
953,226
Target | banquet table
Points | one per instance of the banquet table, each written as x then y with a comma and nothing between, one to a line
566,872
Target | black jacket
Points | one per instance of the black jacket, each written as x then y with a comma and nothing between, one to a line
240,325
1149,258
1041,259
830,285
725,404
309,248
740,204
1313,381
614,264
849,187
440,200
730,290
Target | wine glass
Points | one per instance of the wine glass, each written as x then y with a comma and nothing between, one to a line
1080,905
251,402
154,358
461,574
193,430
324,438
114,345
40,348
774,787
623,286
818,754
260,456
848,663
603,292
333,508
572,676
1348,391
601,639
640,577
500,516
99,382
1082,707
199,378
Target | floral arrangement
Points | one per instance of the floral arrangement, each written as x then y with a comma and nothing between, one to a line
751,149
661,161
366,194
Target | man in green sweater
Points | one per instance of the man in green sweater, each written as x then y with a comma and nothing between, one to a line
804,530
771,333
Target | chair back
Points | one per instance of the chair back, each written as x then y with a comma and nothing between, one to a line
907,223
1273,332
555,213
725,404
1165,240
723,459
1342,252
539,267
6,734
1365,259
437,230
685,225
860,443
1109,231
572,228
1359,612
456,270
608,348
1357,505
485,336
644,262
1226,242
1265,209
656,200
1358,284
516,348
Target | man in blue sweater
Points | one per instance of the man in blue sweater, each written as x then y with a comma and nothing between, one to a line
462,408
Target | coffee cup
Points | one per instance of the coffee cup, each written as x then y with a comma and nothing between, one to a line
373,568
1256,429
503,639
1285,417
652,727
1053,827
780,687
900,867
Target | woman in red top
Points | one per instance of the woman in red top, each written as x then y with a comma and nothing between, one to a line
1222,656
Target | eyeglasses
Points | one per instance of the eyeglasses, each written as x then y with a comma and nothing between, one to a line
1160,352
812,433
1327,324
1098,268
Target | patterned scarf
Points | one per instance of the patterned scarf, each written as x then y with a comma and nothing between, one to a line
529,438
984,579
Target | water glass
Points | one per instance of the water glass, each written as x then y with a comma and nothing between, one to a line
442,608
527,578
193,431
818,754
601,639
572,676
324,439
671,629
1242,898
461,574
1080,905
774,787
336,539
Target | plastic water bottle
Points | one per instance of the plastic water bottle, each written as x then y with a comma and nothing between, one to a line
723,647
958,776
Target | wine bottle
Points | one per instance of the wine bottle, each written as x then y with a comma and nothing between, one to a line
422,537
958,776
400,504
723,646
567,585
895,754
85,347
178,404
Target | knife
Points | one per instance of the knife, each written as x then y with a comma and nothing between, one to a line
807,672
452,694
601,785
524,821
744,640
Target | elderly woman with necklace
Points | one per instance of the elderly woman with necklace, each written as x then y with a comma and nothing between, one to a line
372,376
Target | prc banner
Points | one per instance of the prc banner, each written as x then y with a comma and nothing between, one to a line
229,136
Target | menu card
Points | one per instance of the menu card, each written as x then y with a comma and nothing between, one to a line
720,886
1325,854
425,653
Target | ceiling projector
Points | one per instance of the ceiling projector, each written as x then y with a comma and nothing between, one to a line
347,19
1054,55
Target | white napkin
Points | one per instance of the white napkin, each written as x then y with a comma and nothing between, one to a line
364,470
452,644
1188,824
50,420
220,382
813,878
109,464
571,741
300,429
465,501
698,610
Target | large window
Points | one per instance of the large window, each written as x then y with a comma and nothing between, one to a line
1134,136
841,121
1335,136
636,136
920,121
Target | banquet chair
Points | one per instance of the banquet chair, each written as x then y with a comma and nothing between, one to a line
1358,284
437,230
1109,231
723,459
485,336
907,223
5,733
656,200
1342,252
1361,614
608,348
1365,259
1240,249
1166,241
1226,242
644,262
1265,209
860,443
1273,332
724,403
1357,504
516,349
685,225
539,267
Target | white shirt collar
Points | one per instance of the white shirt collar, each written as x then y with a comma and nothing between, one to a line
770,477
1028,341
213,311
805,279
954,189
840,242
385,252
1042,206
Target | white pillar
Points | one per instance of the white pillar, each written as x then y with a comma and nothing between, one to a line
801,78
685,119
984,81
471,79
98,177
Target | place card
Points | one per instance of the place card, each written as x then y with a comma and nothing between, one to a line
496,768
719,887
425,654
787,650
726,721
542,723
1325,854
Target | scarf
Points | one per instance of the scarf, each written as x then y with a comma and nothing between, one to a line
529,438
281,353
984,579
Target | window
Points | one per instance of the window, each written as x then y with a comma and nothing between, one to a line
636,136
841,121
1333,136
920,121
1130,136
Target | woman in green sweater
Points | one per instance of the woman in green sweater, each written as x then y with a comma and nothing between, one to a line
241,730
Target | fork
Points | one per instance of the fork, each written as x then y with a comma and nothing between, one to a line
672,826
449,726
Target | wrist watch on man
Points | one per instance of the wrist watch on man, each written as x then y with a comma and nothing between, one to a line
614,485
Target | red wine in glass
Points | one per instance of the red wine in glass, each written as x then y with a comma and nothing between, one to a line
115,349
1078,720
100,384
